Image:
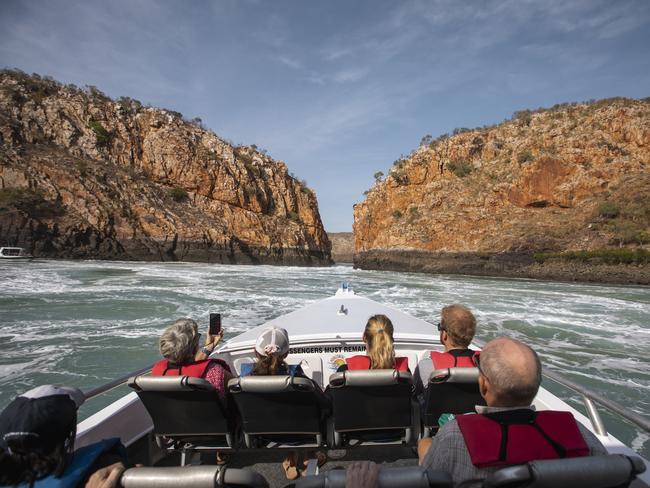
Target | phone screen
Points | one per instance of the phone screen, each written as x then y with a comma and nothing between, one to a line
215,323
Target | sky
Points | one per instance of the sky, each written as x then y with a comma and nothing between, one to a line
337,89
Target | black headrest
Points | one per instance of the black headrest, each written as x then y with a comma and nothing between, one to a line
606,471
169,383
191,477
370,377
414,476
454,375
270,384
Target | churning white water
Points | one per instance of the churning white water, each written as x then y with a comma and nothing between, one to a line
84,323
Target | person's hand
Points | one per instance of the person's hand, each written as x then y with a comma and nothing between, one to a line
213,340
363,474
108,477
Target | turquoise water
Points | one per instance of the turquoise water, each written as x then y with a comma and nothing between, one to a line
84,323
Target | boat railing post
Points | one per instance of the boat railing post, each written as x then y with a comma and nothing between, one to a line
594,416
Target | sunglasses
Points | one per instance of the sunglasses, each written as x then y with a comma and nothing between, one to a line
477,360
440,327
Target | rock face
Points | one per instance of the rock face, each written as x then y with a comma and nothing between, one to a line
342,246
573,177
83,176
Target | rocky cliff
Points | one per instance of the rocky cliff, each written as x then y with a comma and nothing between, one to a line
506,199
85,176
342,246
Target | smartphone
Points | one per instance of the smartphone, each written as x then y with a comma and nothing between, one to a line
215,324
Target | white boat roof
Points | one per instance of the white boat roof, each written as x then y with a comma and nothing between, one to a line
342,316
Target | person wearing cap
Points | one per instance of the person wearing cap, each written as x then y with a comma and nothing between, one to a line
271,348
179,346
37,433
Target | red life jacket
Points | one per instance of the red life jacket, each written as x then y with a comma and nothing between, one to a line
519,436
456,358
363,362
195,369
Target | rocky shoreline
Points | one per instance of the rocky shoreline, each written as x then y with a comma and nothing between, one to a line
511,265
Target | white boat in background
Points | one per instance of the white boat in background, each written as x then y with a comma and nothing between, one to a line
322,335
14,253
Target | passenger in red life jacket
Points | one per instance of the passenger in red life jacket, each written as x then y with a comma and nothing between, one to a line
509,430
179,345
378,337
457,327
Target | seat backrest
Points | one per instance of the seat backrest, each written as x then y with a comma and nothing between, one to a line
371,399
192,477
182,405
278,404
608,471
414,476
450,390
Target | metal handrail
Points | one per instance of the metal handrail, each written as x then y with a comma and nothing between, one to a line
111,385
590,396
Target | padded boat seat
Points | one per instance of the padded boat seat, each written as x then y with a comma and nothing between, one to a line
388,478
609,471
372,406
187,413
192,477
450,390
279,411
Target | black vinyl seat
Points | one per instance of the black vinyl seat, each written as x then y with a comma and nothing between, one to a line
187,413
450,390
192,477
280,411
608,471
411,477
372,406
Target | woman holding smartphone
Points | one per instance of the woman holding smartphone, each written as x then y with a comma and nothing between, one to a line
179,346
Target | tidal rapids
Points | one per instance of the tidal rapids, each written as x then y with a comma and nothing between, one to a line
84,323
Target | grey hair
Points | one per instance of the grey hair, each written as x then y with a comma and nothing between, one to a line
180,341
514,381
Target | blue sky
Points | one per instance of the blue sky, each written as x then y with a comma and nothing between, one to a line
337,89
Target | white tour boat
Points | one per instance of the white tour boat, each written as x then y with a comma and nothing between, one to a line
14,253
322,334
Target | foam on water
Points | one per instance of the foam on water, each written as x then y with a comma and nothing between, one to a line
84,323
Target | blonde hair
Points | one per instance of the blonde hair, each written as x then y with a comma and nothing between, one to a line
180,341
378,337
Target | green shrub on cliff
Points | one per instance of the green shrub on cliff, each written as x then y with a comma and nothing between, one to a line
460,168
29,201
103,137
177,194
525,157
609,210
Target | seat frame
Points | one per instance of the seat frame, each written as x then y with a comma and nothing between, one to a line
378,382
187,443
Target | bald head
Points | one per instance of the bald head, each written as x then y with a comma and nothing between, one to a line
513,372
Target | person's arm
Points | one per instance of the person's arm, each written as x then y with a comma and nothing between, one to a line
210,343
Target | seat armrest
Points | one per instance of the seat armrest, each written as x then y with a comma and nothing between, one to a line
370,377
169,383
